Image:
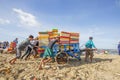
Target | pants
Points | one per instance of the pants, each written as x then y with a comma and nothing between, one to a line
18,53
27,52
119,51
35,51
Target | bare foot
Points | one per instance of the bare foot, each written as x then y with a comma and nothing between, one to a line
11,62
40,68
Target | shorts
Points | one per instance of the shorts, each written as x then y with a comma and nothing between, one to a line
89,53
48,53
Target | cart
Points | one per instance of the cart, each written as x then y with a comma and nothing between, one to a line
67,47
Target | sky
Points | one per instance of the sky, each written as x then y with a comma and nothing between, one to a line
97,18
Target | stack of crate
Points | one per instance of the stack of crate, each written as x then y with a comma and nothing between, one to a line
43,38
53,33
74,38
64,37
64,40
50,36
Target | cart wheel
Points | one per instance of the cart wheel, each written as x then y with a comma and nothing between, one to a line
61,58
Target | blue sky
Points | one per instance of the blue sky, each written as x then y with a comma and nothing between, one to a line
97,18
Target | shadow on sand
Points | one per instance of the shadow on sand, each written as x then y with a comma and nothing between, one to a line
75,63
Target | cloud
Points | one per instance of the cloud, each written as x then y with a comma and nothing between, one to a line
26,19
3,21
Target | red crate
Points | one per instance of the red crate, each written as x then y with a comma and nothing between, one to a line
74,34
64,42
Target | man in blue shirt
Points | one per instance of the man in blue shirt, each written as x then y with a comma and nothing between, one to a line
16,41
89,51
21,47
119,48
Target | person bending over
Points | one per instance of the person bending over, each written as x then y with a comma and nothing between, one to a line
21,47
31,49
48,54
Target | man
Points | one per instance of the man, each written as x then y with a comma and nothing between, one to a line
31,49
89,51
119,48
16,41
48,54
21,47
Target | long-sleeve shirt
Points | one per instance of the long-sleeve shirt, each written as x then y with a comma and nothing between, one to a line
51,44
34,42
90,44
24,44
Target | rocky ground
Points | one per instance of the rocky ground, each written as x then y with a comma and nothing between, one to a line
104,67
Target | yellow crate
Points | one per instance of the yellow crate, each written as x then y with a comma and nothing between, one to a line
43,37
62,47
43,43
66,35
64,39
74,37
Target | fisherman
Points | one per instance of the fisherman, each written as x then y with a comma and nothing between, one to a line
31,49
48,54
89,51
21,47
16,41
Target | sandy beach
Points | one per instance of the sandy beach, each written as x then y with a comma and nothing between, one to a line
104,67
